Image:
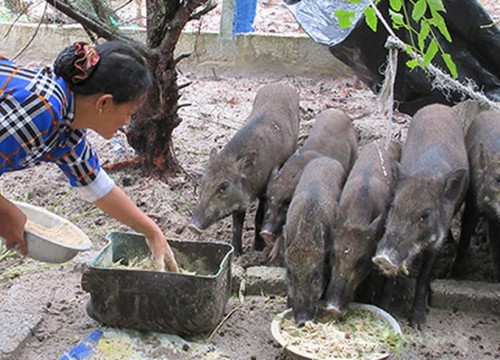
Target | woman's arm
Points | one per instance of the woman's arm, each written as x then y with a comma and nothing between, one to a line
12,221
119,206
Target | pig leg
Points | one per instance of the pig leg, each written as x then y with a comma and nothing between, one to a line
238,218
469,220
259,242
422,289
385,298
493,234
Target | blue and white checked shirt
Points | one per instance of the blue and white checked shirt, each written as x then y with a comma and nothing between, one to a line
36,112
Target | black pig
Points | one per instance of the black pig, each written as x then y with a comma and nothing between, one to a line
240,172
483,197
332,135
308,235
432,181
363,207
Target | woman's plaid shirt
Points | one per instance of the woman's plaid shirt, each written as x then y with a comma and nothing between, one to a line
36,112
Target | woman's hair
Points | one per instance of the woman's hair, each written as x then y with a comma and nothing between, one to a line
119,70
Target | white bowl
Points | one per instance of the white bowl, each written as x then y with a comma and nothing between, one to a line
295,353
47,250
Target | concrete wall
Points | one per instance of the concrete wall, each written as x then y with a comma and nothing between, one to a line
259,53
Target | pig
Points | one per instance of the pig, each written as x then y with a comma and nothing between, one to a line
483,198
363,206
332,135
308,235
433,177
239,173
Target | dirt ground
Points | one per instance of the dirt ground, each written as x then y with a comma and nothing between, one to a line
220,103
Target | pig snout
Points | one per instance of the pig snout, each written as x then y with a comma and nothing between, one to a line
387,261
301,317
195,227
267,235
336,309
338,296
272,227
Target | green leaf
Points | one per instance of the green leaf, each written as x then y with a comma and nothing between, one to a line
441,25
409,49
397,19
354,1
422,35
436,5
450,64
344,17
412,64
430,53
396,5
419,10
371,18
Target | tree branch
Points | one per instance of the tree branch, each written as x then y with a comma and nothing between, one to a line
204,10
99,27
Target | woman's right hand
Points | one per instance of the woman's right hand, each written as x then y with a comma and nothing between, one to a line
12,221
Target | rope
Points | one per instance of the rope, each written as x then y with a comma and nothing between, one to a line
442,81
386,95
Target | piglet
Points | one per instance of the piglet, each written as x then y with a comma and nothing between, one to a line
433,178
240,172
308,235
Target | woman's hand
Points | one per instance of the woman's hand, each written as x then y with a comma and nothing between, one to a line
162,254
12,221
119,206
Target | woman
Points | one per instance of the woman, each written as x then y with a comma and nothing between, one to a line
44,116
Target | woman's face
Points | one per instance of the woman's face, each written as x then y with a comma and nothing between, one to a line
113,117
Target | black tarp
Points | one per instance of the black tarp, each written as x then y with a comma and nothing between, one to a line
475,49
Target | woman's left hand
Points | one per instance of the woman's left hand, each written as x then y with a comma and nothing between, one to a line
162,255
118,205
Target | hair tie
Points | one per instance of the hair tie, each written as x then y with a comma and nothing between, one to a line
86,59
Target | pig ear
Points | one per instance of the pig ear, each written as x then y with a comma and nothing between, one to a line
397,170
213,155
484,157
275,172
375,223
247,160
340,218
454,183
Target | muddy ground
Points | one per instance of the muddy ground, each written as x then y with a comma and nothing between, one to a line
220,103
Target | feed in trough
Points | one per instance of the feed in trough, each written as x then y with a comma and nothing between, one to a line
142,263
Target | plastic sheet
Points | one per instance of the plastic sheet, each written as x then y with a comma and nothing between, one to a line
317,18
475,49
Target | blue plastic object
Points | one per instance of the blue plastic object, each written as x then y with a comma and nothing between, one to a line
245,16
84,348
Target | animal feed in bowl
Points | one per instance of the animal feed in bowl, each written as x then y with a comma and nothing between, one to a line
358,335
63,233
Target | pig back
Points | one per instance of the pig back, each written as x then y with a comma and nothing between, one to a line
320,185
370,185
333,135
270,133
485,130
435,143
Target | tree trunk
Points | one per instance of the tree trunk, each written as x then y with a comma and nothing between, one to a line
150,132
